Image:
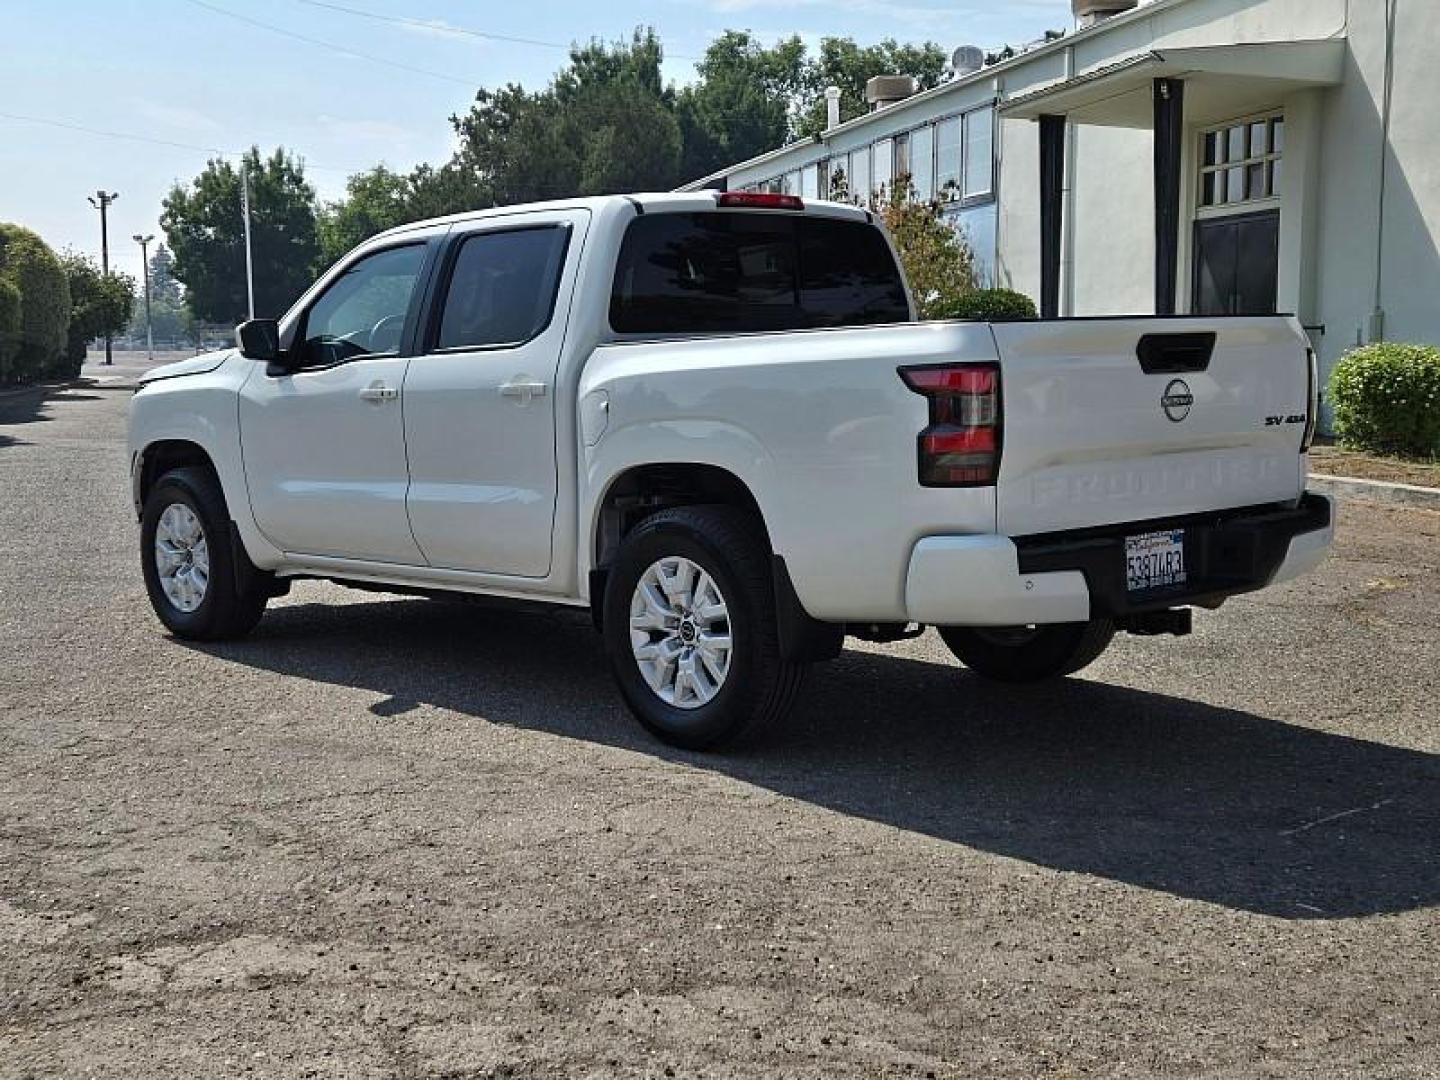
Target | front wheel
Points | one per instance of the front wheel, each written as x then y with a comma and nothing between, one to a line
1027,654
189,560
690,631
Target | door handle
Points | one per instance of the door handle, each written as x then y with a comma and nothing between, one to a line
522,388
378,392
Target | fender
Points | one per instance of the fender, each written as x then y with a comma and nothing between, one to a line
204,410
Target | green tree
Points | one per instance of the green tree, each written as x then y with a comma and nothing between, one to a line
161,271
205,231
849,66
742,103
606,123
937,261
34,276
99,304
374,201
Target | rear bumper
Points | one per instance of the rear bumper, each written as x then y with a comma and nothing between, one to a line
1071,577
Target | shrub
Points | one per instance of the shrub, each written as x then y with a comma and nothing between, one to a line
990,305
29,266
1387,397
939,263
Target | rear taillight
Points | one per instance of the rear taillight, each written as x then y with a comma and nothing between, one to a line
760,200
1312,398
961,445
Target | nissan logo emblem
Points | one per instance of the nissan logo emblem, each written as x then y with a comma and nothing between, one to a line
1177,399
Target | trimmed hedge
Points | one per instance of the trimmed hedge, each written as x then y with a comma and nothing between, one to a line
1387,397
991,305
29,267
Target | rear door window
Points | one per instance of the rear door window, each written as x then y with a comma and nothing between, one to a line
730,272
502,288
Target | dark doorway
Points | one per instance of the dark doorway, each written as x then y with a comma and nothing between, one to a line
1237,264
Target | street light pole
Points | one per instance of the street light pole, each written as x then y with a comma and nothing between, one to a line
144,242
101,200
245,209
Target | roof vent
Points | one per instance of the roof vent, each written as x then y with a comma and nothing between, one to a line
1090,12
966,60
885,90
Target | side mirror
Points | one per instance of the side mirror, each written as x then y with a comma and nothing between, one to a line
259,339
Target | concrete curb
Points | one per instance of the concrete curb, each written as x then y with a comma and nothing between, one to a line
1345,487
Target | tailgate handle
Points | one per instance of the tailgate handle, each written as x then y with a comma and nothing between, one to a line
1171,354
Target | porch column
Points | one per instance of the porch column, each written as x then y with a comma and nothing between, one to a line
1052,212
1169,142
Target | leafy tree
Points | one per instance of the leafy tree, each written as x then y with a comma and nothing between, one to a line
606,123
34,275
204,227
374,201
99,304
741,104
849,66
937,260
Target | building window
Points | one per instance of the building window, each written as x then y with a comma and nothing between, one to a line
859,177
921,165
947,159
979,153
882,174
1241,162
809,185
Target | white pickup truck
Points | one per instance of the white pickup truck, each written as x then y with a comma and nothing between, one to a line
712,420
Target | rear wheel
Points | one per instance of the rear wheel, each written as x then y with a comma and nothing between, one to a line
189,560
1025,654
690,632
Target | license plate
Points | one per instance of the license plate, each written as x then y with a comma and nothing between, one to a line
1155,560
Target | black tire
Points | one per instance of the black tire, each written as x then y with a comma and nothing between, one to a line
1029,654
760,686
226,610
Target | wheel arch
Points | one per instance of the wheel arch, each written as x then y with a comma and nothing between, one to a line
638,491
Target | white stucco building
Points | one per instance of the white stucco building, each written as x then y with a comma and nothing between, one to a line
1189,156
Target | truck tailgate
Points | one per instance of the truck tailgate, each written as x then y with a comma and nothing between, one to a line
1091,438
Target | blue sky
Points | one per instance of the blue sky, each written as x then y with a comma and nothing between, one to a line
183,72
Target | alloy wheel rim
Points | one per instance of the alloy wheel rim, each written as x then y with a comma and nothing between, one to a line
182,557
680,632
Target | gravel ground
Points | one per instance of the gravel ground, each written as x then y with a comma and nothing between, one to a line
392,837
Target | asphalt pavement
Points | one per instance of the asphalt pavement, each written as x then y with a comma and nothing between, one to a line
399,837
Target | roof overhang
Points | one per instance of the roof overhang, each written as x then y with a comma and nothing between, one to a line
1118,95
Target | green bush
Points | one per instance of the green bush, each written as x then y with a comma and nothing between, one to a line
1387,397
990,305
29,266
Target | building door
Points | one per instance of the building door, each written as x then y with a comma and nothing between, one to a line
1237,264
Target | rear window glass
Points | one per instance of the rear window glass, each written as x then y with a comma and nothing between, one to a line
725,272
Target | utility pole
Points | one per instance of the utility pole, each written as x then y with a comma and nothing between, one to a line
245,209
101,200
144,242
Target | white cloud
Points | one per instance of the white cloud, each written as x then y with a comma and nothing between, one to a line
175,117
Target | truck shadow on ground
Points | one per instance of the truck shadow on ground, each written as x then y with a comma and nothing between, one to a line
1156,791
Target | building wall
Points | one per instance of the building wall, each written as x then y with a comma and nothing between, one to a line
1357,245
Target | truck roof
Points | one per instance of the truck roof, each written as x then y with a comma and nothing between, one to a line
644,202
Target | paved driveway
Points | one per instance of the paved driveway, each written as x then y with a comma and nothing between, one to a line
393,837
